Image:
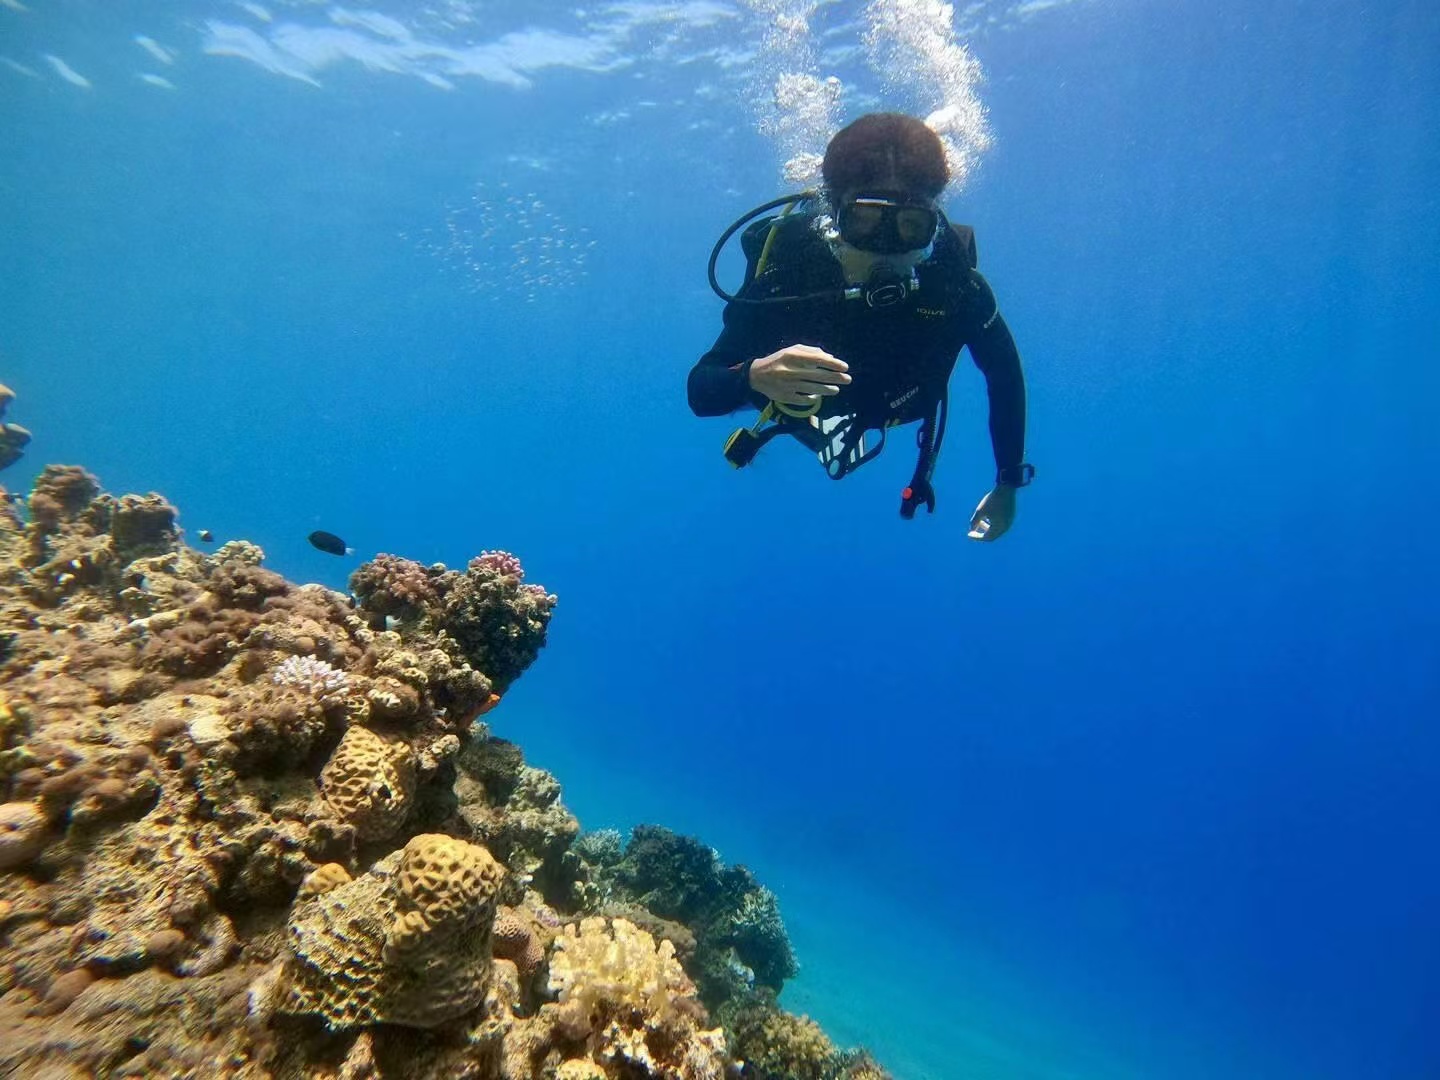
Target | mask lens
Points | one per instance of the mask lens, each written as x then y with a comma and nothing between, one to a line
915,226
863,219
887,225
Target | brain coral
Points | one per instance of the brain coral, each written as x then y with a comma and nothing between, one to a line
436,895
368,782
444,885
516,941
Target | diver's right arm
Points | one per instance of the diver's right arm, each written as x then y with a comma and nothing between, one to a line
720,380
745,367
797,375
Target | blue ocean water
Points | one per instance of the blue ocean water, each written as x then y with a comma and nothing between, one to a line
1151,787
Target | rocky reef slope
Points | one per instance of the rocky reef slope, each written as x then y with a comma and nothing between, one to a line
250,828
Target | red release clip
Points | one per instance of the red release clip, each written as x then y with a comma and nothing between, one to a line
908,493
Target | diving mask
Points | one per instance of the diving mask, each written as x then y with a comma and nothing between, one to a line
887,225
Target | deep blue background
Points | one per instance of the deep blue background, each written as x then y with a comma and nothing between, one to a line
1161,766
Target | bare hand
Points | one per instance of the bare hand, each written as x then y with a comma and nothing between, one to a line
799,375
995,514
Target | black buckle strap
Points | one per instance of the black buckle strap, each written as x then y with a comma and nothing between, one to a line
928,440
1015,475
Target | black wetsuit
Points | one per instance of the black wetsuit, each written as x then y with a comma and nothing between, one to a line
900,357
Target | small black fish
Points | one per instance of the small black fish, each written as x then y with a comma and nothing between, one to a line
330,543
205,536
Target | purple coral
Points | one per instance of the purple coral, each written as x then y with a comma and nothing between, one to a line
499,562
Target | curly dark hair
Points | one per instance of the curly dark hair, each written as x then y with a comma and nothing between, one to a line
883,148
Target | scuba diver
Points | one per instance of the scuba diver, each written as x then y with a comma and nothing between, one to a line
856,302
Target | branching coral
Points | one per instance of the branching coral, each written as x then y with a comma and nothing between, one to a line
781,1045
499,621
761,940
431,664
603,847
741,940
61,493
635,1001
313,677
612,966
516,811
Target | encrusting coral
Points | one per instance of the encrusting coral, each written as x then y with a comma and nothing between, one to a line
369,782
255,829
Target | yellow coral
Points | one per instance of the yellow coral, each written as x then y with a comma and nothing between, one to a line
636,1000
322,879
12,725
579,1069
598,968
368,782
405,936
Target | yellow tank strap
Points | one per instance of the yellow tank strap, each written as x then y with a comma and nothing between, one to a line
789,410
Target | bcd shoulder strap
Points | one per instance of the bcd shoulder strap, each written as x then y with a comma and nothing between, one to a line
965,236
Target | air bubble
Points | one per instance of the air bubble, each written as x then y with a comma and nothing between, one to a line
507,247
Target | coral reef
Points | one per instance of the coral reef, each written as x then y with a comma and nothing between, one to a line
740,940
603,847
255,829
777,1045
